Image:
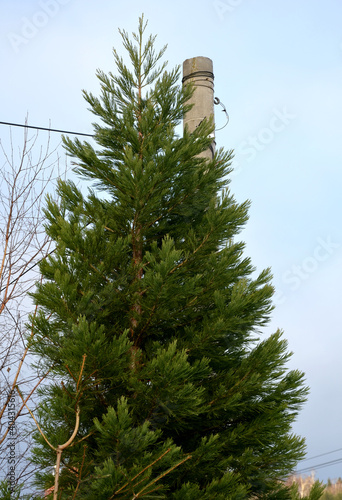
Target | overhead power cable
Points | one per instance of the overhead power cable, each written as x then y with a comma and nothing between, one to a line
322,464
322,454
319,466
46,129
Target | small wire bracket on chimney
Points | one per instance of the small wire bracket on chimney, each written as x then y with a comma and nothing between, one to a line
217,101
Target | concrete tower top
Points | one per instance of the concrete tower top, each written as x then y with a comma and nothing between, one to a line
198,67
199,71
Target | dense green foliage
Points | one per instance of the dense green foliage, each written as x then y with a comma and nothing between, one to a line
178,397
8,493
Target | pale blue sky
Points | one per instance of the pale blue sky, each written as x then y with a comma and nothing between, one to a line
278,70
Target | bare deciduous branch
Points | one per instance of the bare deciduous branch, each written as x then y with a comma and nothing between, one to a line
27,172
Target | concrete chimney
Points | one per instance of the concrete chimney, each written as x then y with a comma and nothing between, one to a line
199,71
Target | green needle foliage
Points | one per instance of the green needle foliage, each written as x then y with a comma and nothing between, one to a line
178,397
9,493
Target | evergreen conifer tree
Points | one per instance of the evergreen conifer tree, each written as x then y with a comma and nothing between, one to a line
178,397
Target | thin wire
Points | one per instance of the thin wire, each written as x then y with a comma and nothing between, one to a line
319,466
46,129
322,454
217,101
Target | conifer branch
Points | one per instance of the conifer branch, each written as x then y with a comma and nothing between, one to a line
161,476
79,473
144,470
81,372
82,439
185,261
